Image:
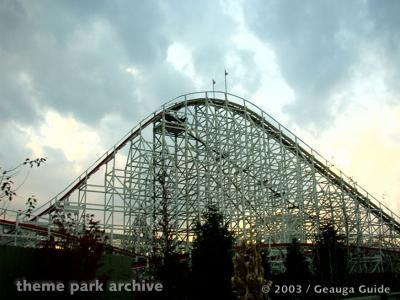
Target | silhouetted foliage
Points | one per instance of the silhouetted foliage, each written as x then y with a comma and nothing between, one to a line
7,185
173,272
297,266
30,206
266,263
83,243
330,259
167,264
212,267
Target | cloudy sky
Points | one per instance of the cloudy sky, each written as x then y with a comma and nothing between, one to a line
75,76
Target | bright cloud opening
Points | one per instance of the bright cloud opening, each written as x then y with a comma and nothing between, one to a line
76,140
181,59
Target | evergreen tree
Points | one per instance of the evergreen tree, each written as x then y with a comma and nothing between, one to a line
168,267
266,263
297,266
330,258
212,267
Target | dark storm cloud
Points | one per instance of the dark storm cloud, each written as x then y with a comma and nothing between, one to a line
318,45
385,35
314,48
16,102
71,56
74,55
208,31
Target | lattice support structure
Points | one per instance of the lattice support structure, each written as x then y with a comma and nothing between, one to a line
216,148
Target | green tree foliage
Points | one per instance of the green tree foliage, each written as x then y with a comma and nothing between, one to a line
212,267
248,279
297,266
330,258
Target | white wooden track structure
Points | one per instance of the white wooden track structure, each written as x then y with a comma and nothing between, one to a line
216,148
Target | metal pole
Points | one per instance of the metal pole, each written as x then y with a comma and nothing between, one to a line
213,82
226,88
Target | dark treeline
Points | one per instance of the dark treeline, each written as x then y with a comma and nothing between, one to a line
221,268
217,267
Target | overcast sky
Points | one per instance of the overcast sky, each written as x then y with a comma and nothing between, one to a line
75,76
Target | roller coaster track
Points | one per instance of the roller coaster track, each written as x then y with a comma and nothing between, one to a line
277,131
45,231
